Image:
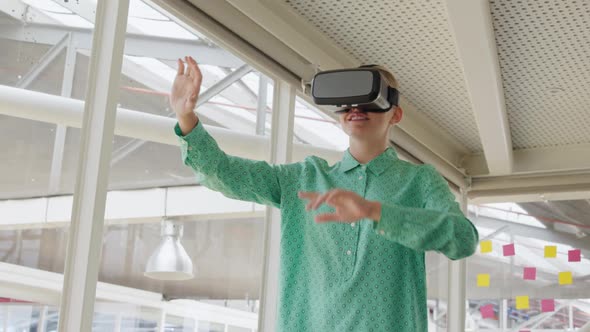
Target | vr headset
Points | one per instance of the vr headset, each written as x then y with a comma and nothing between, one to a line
362,87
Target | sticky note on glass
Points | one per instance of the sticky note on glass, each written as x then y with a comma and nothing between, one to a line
550,251
565,278
522,302
508,249
487,311
483,280
547,305
574,255
530,273
485,246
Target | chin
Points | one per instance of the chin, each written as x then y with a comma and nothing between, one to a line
363,134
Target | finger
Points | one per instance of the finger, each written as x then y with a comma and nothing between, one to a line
323,198
307,194
188,67
327,217
334,199
180,67
198,76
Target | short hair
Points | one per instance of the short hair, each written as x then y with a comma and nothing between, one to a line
388,75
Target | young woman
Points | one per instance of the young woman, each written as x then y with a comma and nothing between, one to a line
359,265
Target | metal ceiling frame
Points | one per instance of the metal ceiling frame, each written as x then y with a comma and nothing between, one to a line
135,44
203,98
25,13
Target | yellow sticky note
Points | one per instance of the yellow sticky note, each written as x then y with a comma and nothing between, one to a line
522,302
483,280
550,251
565,278
486,246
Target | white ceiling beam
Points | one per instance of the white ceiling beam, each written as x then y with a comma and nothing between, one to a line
471,22
540,187
538,160
162,48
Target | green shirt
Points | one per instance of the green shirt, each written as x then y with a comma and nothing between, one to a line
361,276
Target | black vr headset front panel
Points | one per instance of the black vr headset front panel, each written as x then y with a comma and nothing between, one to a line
359,87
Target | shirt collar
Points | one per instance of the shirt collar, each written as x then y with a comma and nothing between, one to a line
377,165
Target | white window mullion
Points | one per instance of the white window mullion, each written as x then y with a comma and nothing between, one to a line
456,306
85,241
281,152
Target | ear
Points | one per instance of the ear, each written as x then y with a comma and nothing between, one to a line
397,115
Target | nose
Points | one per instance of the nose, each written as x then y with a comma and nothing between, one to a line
356,110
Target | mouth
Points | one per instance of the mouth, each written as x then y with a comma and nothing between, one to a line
358,117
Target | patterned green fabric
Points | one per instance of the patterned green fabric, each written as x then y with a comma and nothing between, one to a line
362,276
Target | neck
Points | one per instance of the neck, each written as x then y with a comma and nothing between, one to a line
365,151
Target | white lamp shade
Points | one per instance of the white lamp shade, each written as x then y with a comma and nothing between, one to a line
169,261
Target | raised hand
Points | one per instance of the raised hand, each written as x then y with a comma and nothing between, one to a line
185,92
350,206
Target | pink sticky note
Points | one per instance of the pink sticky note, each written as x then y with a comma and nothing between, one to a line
574,255
508,249
487,311
547,305
530,273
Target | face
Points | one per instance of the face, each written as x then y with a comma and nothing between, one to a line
372,125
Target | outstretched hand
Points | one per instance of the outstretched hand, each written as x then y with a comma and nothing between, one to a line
185,92
350,206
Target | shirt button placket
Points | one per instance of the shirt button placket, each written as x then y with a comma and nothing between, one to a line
354,237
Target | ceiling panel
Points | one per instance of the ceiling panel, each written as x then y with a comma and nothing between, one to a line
543,49
413,39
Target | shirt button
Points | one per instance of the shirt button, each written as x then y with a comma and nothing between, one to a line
381,232
348,252
352,225
360,177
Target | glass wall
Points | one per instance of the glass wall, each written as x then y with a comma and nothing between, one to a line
46,48
149,185
40,63
529,272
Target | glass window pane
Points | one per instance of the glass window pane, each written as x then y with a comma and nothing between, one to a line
37,166
528,272
149,186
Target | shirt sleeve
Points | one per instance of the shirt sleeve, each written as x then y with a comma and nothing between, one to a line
440,225
234,177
